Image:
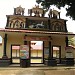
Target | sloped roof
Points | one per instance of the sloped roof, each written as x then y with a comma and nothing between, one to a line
56,48
36,47
35,31
70,46
16,47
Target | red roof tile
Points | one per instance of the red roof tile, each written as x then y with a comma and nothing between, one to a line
16,47
36,47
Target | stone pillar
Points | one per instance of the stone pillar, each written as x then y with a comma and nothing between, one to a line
25,62
51,60
5,61
66,40
49,27
25,41
5,43
26,23
50,52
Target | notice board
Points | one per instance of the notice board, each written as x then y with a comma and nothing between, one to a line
24,52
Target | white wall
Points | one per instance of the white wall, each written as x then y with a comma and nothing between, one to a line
14,40
59,41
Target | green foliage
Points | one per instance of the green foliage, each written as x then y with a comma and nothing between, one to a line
60,3
71,41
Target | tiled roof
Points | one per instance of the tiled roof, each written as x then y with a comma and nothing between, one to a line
33,47
70,46
36,47
16,47
56,48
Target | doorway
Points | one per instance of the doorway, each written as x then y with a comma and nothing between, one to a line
36,52
56,51
15,54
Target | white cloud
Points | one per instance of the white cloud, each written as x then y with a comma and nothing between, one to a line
7,8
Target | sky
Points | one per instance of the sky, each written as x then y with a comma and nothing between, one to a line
7,8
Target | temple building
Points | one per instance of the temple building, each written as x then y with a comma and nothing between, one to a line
20,30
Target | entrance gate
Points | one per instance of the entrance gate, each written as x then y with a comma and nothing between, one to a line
36,56
36,52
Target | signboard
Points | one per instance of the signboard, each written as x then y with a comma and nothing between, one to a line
24,52
69,55
33,38
69,52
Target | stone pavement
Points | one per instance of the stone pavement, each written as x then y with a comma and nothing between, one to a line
37,71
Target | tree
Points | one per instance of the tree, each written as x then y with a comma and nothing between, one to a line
60,3
71,41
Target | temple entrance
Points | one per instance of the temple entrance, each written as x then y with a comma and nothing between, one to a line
15,54
36,52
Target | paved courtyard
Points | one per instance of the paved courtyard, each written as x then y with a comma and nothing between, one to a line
37,71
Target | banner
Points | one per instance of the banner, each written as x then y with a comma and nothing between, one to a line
24,52
34,38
